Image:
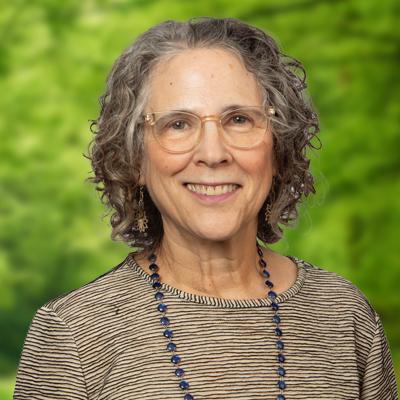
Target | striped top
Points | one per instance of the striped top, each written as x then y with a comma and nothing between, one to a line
104,341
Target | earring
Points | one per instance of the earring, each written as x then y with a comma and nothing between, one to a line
140,215
268,210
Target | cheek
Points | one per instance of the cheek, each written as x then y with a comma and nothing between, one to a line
159,164
269,156
259,169
261,162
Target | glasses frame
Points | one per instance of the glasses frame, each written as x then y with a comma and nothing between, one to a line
150,119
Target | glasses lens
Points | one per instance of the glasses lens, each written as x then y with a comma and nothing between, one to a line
245,127
176,131
179,131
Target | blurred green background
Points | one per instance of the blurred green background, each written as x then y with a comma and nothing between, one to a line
54,58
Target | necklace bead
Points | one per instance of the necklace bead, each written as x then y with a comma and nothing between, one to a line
155,276
281,371
278,332
281,385
164,321
276,318
175,359
280,357
153,267
168,333
279,345
171,346
156,285
184,385
159,296
269,284
272,295
265,273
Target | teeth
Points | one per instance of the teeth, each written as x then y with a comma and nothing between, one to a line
211,190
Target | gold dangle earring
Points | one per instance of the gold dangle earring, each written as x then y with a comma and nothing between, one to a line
140,216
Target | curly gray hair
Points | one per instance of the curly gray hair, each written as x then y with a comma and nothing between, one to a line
116,149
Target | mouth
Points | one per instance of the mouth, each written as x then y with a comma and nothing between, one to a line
213,189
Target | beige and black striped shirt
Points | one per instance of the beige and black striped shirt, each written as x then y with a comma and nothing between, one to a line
104,341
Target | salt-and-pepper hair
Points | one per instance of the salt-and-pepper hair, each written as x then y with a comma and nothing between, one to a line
116,149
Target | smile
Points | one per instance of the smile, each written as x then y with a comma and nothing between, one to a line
212,190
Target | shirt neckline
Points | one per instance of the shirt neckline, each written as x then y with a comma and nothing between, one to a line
219,301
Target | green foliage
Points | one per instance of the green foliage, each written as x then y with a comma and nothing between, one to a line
54,57
7,387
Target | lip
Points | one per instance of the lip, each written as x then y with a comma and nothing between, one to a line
212,183
210,199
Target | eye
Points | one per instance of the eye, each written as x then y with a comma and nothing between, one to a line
239,119
178,124
173,122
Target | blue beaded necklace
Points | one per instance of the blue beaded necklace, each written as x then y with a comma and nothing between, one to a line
169,334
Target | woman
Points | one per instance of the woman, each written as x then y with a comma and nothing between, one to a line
200,150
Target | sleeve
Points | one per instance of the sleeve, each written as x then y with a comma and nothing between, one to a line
379,380
50,366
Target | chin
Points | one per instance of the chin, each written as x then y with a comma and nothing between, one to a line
216,233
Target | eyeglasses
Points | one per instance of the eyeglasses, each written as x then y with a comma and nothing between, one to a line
180,131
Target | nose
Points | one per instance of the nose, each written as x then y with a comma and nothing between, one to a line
211,149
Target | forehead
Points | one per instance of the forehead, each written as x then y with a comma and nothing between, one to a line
203,80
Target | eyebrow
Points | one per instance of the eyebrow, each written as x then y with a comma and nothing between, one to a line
224,109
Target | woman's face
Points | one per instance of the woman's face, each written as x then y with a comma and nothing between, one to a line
205,81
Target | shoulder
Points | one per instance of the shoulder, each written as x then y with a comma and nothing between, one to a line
329,290
344,322
331,285
99,298
336,303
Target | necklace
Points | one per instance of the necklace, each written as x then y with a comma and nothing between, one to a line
169,334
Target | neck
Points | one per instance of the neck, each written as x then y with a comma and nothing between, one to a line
228,269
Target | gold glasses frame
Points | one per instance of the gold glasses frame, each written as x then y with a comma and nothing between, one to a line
150,119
